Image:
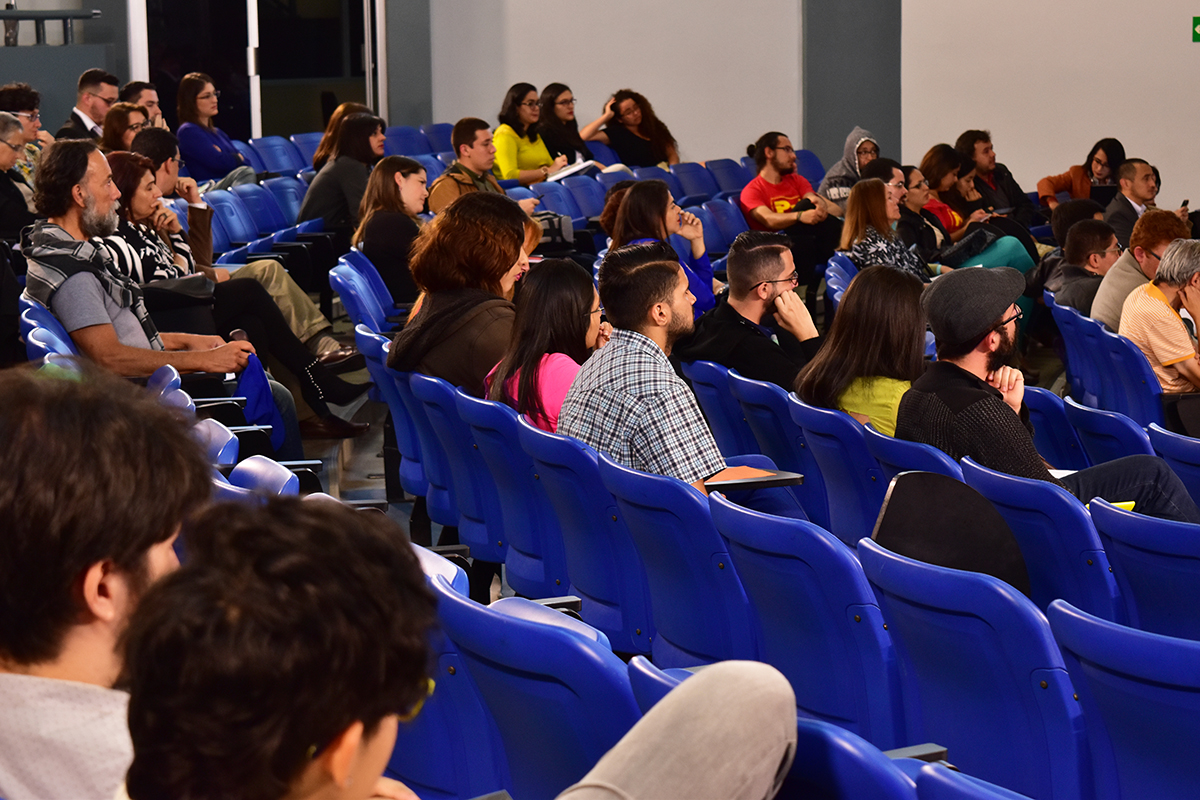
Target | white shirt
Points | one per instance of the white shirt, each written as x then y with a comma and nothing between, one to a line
92,126
1139,209
61,739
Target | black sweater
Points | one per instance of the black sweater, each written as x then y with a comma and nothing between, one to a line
387,242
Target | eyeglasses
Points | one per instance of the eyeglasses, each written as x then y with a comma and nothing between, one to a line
794,278
919,184
31,116
532,103
213,95
1157,257
17,148
108,101
895,185
570,102
1115,249
136,126
1014,318
599,311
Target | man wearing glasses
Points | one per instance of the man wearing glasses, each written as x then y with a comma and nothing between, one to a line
971,403
97,92
763,330
1137,266
1090,252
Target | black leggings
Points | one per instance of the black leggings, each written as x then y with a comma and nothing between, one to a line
244,303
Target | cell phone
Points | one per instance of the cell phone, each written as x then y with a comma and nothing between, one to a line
1185,203
1001,211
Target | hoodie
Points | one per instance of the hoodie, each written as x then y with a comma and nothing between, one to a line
844,174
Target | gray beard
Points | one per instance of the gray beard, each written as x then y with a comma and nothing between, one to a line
93,224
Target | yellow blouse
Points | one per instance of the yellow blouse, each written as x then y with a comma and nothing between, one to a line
878,399
515,153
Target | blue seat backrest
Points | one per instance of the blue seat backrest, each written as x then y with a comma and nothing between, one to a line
588,194
710,383
1057,538
264,208
714,240
36,315
558,199
1138,692
660,174
412,473
935,782
818,622
357,298
610,179
1084,385
1109,393
438,135
280,155
235,217
433,167
253,158
1106,435
42,342
262,474
358,261
1139,390
749,165
729,175
808,165
1182,453
447,158
559,696
981,675
603,153
307,144
854,483
480,520
898,455
535,564
403,140
219,443
700,609
728,218
1157,566
765,408
695,179
605,568
289,192
1053,435
440,499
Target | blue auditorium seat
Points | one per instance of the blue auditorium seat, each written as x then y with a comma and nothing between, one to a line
280,155
404,140
438,135
899,455
710,384
1106,435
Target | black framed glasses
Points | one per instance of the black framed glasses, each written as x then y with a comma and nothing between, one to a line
529,104
1017,317
1157,257
214,95
1115,249
17,148
108,101
570,102
793,278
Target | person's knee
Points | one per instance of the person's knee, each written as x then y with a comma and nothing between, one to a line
757,691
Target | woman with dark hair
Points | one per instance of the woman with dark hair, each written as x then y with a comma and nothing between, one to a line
557,326
521,154
149,245
395,195
868,235
208,151
23,101
557,124
1098,169
337,191
121,124
632,129
328,145
648,213
874,350
940,168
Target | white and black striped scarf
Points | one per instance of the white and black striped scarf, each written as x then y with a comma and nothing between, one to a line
53,256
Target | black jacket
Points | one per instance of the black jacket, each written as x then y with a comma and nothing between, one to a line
1122,216
1007,194
725,337
1078,289
74,128
14,213
914,231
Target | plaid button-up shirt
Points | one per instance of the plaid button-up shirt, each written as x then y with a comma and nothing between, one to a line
627,402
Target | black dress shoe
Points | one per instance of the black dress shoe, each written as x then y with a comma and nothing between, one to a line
344,359
331,427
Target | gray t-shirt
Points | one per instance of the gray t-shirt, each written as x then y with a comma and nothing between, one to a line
82,302
61,739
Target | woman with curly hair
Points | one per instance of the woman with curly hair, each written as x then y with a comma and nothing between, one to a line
632,129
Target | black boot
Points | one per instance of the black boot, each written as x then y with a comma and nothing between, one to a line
320,384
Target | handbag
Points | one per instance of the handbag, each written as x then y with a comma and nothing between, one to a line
171,294
557,230
971,245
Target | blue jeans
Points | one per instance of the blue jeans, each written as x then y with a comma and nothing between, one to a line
780,501
1147,480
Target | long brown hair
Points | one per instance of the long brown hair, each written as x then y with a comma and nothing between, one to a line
190,87
642,214
878,332
866,207
383,194
116,122
651,127
333,129
940,161
472,243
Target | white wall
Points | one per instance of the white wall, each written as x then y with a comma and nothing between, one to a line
1050,77
704,64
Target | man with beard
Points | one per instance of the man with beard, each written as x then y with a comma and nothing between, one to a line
102,309
971,403
738,334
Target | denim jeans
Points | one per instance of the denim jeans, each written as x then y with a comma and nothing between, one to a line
1147,480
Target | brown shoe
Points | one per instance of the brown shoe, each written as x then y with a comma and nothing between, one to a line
344,359
331,427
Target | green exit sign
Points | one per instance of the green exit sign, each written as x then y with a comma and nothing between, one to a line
1196,29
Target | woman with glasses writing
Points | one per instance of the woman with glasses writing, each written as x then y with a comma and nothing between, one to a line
558,126
208,151
521,153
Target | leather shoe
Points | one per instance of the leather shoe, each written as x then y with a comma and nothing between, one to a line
331,427
344,359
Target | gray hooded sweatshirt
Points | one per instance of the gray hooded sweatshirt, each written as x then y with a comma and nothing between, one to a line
844,174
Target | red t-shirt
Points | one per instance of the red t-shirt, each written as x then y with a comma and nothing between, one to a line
778,197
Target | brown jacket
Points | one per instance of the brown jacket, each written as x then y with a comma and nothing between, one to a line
453,184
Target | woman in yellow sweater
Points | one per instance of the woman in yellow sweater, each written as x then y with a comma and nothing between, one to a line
875,349
520,152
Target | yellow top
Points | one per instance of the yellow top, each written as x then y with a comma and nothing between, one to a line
878,399
515,153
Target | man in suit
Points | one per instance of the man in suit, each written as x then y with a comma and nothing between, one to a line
1138,189
96,94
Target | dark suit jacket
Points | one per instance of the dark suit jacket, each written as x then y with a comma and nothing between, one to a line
75,128
1122,216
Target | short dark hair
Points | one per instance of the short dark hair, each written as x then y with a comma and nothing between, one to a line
92,78
93,469
156,144
61,168
511,106
754,257
354,137
464,133
1069,212
635,277
131,91
19,97
965,143
291,621
642,213
1087,236
758,150
881,168
1128,169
